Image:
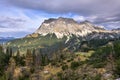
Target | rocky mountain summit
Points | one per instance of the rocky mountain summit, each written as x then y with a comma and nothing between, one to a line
65,32
67,27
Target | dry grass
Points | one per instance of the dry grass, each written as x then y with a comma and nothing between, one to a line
51,71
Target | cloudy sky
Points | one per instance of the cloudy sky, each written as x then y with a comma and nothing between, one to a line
21,17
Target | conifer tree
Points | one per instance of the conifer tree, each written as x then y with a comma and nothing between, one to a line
29,58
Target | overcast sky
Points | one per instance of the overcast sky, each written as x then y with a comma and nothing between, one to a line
21,17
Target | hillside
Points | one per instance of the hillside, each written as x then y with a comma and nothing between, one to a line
4,40
63,49
103,63
36,42
70,33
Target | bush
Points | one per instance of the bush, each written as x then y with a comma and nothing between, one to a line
32,70
74,65
60,75
24,78
64,67
117,68
69,60
97,77
117,49
53,63
99,65
99,58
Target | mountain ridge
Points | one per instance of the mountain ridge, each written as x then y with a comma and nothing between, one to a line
67,27
63,32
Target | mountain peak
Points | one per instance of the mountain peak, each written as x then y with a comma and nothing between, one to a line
60,19
67,27
49,20
64,27
86,21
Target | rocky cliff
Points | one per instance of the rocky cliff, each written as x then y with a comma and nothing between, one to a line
67,27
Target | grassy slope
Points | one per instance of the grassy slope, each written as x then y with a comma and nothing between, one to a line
38,42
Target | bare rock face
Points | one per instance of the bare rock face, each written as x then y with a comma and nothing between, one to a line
67,27
34,35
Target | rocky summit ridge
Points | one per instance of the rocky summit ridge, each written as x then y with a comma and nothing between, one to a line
67,27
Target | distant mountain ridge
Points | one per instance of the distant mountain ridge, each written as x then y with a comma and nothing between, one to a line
118,29
5,39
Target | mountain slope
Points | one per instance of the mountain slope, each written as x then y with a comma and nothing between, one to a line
70,33
5,39
67,27
48,41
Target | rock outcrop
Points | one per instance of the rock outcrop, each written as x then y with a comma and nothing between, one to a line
67,27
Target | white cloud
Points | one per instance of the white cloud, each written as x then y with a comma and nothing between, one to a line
13,16
20,22
16,21
79,18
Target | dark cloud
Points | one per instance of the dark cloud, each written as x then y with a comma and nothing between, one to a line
104,11
107,19
6,22
10,19
65,6
1,26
